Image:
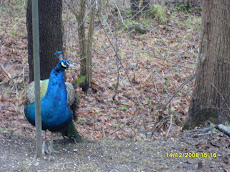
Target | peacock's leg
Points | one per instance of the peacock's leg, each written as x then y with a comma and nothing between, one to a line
51,149
44,148
52,143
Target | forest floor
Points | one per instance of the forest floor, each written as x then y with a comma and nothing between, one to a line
136,130
208,152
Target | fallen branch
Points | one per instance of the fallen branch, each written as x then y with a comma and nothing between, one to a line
180,87
205,131
169,126
224,129
159,124
10,79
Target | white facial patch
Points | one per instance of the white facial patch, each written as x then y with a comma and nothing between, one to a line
63,64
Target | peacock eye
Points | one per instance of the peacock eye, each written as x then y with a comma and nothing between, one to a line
63,64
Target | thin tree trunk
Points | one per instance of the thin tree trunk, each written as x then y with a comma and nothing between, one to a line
211,96
81,36
89,46
50,29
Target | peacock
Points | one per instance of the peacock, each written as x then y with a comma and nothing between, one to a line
57,102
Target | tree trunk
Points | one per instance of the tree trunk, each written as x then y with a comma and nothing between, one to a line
50,29
81,36
211,96
89,46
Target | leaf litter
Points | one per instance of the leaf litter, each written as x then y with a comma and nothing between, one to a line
156,63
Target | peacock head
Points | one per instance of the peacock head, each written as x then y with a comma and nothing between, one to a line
63,63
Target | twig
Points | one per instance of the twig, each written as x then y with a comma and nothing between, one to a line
118,69
76,14
169,126
205,130
6,73
158,124
103,131
131,17
120,14
160,56
121,65
139,11
203,134
120,128
220,95
73,9
180,87
144,124
2,83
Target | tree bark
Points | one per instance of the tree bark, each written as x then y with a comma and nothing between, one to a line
50,30
211,96
82,38
89,46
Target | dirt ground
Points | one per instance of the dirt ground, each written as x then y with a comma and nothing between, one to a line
18,154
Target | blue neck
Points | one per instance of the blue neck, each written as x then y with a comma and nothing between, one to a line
56,91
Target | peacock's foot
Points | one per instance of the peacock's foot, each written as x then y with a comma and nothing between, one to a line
51,149
47,148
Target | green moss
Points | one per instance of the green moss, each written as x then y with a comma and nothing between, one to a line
3,130
201,123
159,13
123,108
133,25
200,9
80,80
201,118
183,7
129,13
148,21
186,127
214,115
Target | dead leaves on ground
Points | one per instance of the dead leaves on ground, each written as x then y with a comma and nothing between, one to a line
154,65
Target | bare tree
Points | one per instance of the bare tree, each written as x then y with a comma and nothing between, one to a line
85,44
211,96
89,45
139,7
81,36
134,4
145,5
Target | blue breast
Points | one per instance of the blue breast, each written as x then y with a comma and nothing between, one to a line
55,113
